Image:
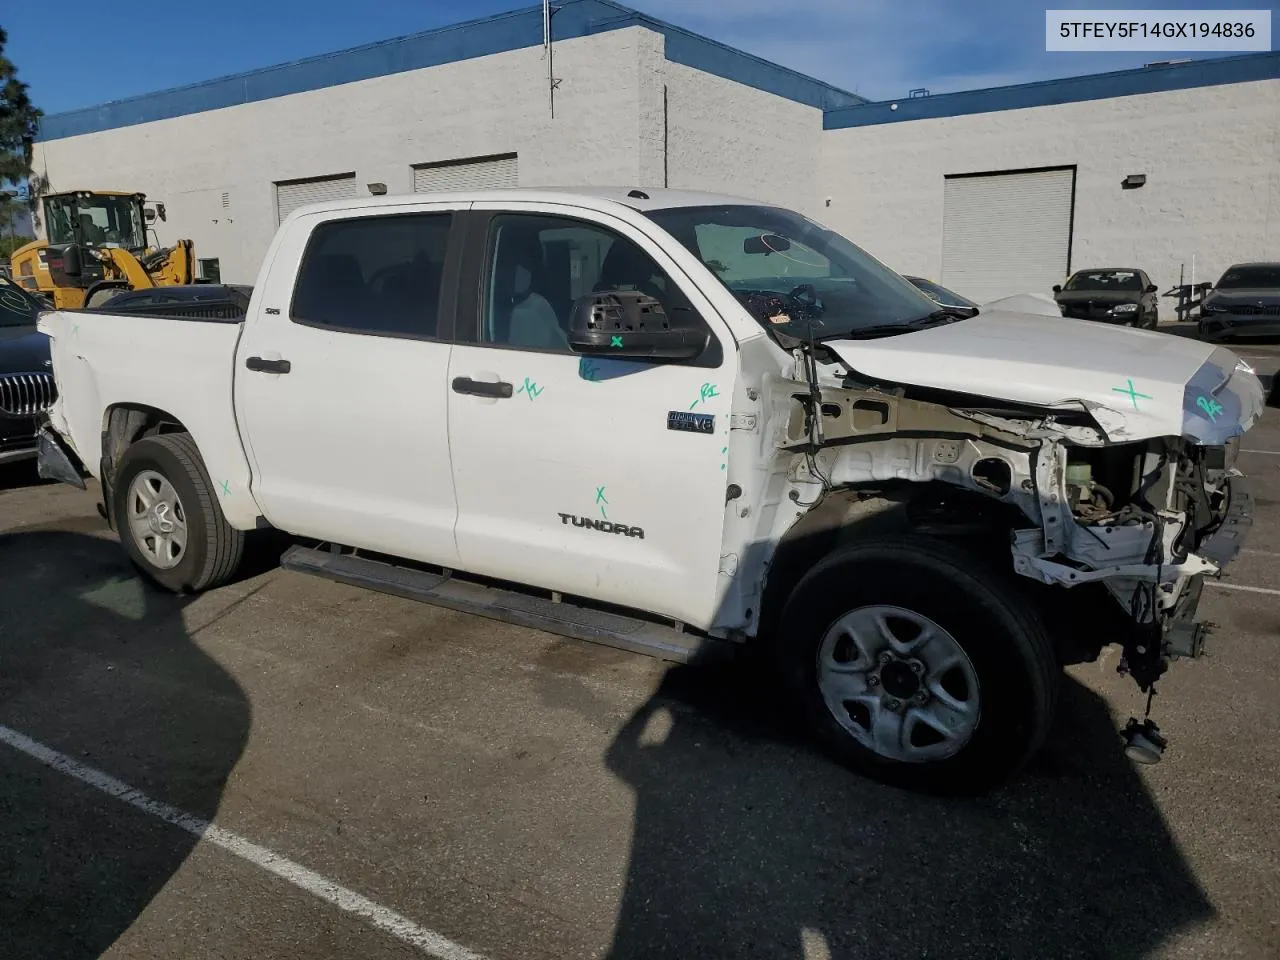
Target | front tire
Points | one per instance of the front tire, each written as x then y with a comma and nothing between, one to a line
168,518
919,666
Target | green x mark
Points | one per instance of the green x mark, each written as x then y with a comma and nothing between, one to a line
1131,393
615,341
226,487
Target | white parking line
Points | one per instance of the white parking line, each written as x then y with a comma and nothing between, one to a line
1240,586
1270,453
388,921
1260,553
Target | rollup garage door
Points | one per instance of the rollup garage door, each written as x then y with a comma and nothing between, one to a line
1007,233
477,173
291,194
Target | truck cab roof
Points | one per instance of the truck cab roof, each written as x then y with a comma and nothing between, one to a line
596,198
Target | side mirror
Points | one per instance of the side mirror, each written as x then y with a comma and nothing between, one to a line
630,325
1057,288
765,243
1151,288
149,214
160,211
71,264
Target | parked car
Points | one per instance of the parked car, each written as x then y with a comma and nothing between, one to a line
26,378
1244,301
940,294
1123,295
678,422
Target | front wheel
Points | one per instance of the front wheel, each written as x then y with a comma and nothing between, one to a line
918,666
169,520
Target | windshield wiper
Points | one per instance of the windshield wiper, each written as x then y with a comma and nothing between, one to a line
936,318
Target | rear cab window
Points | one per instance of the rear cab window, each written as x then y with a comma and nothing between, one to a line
381,275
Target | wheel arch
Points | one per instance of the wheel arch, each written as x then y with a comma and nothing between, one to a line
126,422
855,513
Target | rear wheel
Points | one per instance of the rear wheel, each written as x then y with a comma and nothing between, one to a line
168,517
918,666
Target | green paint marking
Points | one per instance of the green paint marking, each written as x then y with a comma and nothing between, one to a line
1131,393
615,341
723,451
1212,408
530,388
705,393
226,487
75,329
601,502
588,370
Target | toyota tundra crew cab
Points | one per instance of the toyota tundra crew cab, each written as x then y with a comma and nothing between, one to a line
680,422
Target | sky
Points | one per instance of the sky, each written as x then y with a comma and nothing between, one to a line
880,49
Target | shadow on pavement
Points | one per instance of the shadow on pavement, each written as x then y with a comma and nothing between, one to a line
21,474
100,667
748,844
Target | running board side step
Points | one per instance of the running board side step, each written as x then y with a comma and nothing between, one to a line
495,603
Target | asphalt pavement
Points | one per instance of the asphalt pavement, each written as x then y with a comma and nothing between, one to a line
288,767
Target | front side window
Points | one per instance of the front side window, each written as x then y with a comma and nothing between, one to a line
1105,281
1261,276
539,266
374,275
797,276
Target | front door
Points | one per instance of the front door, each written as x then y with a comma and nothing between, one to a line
578,474
340,384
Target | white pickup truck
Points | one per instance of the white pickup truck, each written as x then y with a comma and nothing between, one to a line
677,422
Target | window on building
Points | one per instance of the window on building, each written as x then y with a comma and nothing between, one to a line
538,267
376,275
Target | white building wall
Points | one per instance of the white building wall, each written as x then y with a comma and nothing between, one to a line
378,129
1211,156
726,137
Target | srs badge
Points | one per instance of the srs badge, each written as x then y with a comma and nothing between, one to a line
691,422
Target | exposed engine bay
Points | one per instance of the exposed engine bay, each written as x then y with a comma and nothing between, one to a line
1144,520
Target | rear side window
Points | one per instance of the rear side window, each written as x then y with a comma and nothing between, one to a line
374,275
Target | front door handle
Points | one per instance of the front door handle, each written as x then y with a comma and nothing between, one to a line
499,389
268,366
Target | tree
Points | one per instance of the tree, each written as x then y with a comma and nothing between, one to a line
19,120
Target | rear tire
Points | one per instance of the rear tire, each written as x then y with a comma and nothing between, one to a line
168,517
963,709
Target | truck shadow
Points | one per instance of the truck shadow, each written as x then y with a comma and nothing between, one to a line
749,844
101,668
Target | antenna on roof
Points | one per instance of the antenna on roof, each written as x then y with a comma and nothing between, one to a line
638,194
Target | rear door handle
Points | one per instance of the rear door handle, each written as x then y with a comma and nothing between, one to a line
268,366
482,388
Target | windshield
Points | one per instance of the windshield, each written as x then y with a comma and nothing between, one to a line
1105,280
793,274
102,221
17,308
1259,276
941,294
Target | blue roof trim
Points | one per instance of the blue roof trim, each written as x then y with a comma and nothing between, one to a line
463,41
1099,86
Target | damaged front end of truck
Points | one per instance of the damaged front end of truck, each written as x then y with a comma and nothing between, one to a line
1112,529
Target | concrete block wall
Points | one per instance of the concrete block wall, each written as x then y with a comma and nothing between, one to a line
378,129
1211,156
726,137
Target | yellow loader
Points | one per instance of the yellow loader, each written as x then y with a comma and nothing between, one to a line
97,245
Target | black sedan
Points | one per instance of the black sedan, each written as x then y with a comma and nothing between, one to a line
26,380
1245,301
1110,294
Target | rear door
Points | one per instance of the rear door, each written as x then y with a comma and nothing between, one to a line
341,381
596,477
